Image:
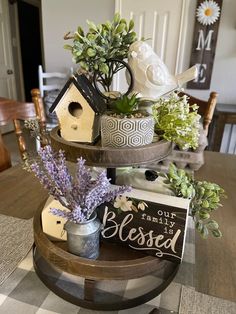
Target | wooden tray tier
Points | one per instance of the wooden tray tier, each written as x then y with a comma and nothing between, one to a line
96,155
114,267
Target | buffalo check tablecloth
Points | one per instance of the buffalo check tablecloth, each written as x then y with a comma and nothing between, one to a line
24,293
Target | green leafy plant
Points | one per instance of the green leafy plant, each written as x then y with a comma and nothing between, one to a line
125,104
177,121
110,40
205,198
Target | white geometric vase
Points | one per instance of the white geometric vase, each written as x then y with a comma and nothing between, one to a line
126,132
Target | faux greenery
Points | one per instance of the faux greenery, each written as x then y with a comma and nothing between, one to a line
177,121
125,104
205,198
102,42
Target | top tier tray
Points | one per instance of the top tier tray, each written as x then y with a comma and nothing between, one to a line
109,157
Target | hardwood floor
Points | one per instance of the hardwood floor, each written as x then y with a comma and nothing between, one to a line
215,258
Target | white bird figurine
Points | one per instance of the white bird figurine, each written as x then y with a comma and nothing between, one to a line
151,76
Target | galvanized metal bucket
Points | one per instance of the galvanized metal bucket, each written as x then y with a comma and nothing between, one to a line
83,238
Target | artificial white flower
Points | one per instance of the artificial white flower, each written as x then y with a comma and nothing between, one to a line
123,203
142,205
208,12
134,208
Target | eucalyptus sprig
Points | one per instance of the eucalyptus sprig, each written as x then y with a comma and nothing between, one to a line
102,42
205,198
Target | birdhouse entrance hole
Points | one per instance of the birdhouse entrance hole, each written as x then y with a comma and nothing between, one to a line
75,109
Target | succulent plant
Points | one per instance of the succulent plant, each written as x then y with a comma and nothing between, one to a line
205,198
110,40
177,121
125,104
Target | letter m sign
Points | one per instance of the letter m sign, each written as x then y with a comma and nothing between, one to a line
203,51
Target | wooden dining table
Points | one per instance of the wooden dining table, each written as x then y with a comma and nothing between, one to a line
21,195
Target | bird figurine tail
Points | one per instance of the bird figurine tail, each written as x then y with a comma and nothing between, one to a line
187,75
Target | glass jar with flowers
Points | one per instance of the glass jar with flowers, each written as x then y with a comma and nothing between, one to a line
80,194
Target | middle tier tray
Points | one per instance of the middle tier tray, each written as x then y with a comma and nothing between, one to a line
109,157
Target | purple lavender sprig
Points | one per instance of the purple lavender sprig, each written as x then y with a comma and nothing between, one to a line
81,194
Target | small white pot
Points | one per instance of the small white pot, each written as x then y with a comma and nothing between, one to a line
126,132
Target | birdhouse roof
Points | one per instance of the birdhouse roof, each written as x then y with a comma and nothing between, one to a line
86,89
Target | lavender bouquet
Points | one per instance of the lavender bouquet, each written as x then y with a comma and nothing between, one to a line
81,194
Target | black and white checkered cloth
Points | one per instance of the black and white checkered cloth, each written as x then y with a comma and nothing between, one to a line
24,293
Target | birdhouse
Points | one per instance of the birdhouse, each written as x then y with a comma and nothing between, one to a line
78,108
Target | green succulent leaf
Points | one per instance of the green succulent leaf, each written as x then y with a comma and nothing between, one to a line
84,65
80,31
204,215
199,226
216,233
120,28
131,24
212,224
91,25
68,47
107,25
103,67
91,52
91,37
205,204
204,232
116,19
78,53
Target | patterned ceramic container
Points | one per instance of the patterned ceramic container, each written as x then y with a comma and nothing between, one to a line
126,132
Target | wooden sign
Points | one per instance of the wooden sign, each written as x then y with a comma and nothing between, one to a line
149,222
204,41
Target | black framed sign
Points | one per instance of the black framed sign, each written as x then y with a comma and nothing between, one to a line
146,221
207,20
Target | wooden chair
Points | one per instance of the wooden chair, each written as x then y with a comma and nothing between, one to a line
12,110
206,108
225,114
49,81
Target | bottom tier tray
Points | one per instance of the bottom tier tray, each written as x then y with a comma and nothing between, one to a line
120,278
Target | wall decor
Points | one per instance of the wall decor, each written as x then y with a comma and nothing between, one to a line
150,222
207,22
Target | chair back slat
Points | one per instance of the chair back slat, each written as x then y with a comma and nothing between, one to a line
15,111
5,159
206,107
49,81
20,139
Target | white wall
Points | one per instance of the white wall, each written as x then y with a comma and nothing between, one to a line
60,16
